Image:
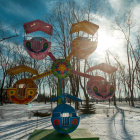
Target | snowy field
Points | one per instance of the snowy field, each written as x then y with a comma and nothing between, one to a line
109,123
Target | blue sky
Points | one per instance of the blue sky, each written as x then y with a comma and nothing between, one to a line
21,11
14,13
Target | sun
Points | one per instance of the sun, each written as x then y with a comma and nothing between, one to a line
112,40
109,40
106,40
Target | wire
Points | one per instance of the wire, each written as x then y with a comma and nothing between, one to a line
9,37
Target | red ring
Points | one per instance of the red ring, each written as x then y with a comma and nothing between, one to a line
75,121
56,122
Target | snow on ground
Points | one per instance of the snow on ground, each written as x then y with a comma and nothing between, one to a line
109,122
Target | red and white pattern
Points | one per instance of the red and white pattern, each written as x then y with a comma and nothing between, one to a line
38,25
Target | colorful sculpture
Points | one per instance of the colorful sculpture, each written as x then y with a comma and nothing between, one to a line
23,91
37,47
64,118
85,26
38,25
99,88
82,47
103,67
61,68
19,69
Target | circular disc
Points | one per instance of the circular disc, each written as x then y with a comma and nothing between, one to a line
23,91
61,68
64,119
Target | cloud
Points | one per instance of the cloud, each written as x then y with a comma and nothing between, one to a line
108,39
136,13
17,9
104,22
50,4
80,2
116,4
122,6
9,29
14,48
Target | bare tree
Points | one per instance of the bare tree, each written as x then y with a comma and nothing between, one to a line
64,16
129,74
5,62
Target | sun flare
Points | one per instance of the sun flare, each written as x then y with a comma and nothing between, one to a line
109,40
105,40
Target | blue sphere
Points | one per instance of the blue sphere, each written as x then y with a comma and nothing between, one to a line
64,119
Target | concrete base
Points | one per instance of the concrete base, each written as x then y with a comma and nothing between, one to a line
51,134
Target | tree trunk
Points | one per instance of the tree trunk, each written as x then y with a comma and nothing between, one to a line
1,90
114,98
132,99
